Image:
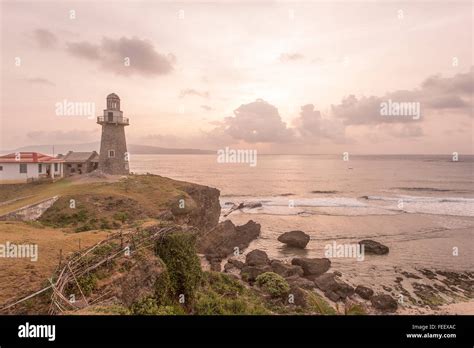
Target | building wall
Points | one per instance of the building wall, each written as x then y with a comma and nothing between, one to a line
73,168
113,138
11,172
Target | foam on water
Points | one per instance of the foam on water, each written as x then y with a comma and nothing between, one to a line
456,206
368,205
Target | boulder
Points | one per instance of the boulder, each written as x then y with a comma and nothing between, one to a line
364,292
222,239
249,273
236,263
216,265
286,270
312,266
257,258
229,267
296,239
214,261
384,303
333,288
297,296
300,282
373,247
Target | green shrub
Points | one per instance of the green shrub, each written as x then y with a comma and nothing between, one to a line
211,303
145,306
121,216
177,250
171,310
273,284
222,294
222,283
149,306
163,291
88,283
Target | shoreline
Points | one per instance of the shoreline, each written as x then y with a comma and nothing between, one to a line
217,240
390,274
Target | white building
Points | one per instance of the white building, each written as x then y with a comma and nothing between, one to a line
24,167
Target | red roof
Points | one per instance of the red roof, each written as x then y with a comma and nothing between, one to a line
29,157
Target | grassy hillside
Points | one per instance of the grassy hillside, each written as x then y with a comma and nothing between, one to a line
101,206
88,204
150,191
21,276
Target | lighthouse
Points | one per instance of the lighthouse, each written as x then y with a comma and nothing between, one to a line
113,158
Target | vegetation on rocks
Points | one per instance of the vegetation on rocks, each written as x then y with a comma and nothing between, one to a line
220,293
177,250
273,284
150,306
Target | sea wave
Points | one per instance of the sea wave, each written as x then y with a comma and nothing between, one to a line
365,205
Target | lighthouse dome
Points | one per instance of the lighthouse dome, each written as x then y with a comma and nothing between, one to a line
113,96
113,102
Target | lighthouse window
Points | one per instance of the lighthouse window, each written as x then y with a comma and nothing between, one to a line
111,153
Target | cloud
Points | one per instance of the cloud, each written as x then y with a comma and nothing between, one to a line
206,107
125,56
401,130
312,127
72,136
256,122
84,49
40,80
193,92
290,57
45,39
436,94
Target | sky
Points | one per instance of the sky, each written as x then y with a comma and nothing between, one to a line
279,77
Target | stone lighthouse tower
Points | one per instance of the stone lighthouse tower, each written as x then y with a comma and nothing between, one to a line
113,158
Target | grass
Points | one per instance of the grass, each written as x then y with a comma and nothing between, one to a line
85,205
21,276
219,293
319,305
151,192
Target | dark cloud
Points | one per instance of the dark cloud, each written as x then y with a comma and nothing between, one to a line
256,122
193,92
290,57
40,80
125,56
436,94
72,136
45,39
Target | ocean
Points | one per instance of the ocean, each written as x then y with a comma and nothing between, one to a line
421,207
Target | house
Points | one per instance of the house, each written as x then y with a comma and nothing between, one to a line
22,167
80,162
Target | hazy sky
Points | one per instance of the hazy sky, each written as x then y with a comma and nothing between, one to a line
281,77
